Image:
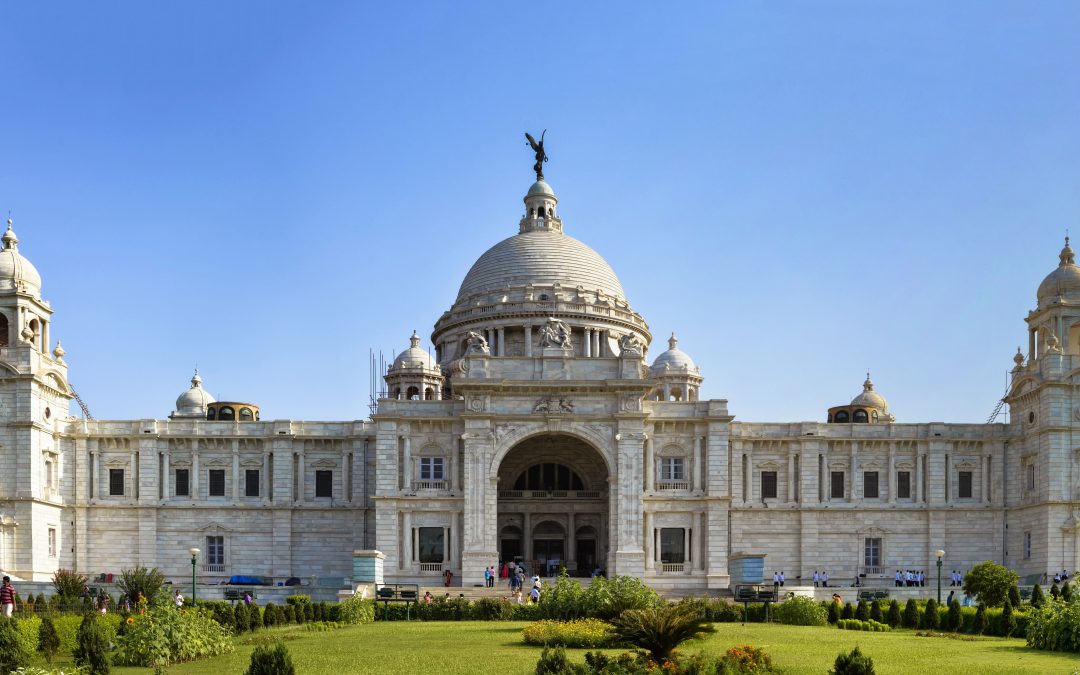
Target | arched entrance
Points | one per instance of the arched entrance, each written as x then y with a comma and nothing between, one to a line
553,505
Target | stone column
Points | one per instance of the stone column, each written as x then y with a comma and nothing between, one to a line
301,483
571,536
95,478
480,504
406,469
502,341
920,494
791,476
650,536
165,482
407,537
650,466
627,503
700,529
699,460
346,477
890,471
852,490
236,470
528,340
687,561
264,479
133,462
193,482
588,342
596,343
526,536
986,479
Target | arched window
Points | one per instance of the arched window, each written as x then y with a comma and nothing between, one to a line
830,418
210,413
549,476
860,417
245,415
842,417
226,414
873,416
412,394
429,394
4,332
35,327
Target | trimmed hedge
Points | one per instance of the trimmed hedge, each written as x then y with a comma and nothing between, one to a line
575,633
869,625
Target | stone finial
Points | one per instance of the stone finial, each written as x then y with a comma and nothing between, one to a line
673,341
414,340
27,333
1067,257
11,242
868,385
1018,358
59,352
196,381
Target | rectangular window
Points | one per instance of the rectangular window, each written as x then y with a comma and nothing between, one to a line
182,488
251,483
324,484
672,468
52,542
1031,477
116,482
768,485
671,544
965,485
870,485
903,484
872,552
430,544
1027,546
217,482
431,468
215,550
837,491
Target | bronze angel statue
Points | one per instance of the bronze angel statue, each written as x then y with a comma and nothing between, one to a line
541,156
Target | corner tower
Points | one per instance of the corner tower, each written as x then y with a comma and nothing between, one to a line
34,401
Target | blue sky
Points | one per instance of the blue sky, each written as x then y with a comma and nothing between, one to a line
803,191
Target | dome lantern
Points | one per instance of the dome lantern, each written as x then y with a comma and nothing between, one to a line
414,374
679,377
194,401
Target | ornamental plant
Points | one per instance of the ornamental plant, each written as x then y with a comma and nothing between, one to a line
1055,626
990,582
68,585
955,619
893,617
800,611
91,650
853,663
13,653
271,660
1037,597
48,639
981,622
911,614
875,611
574,633
141,581
165,636
1008,621
659,630
862,611
930,618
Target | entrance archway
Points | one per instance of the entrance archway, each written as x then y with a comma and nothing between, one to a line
553,505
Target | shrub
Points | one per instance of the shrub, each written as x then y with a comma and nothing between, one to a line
659,630
1066,592
953,621
290,614
67,627
553,662
271,660
869,626
875,611
269,615
834,612
574,633
930,618
990,582
1055,626
13,652
354,610
69,585
911,614
309,612
862,611
91,649
746,659
1037,596
606,599
565,599
800,611
1055,591
139,580
48,640
892,617
980,620
1008,622
847,612
165,636
1014,595
853,663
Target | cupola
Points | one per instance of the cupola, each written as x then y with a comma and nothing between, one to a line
194,401
414,374
679,377
869,407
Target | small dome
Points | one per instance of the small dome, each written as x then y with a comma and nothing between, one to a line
15,270
1065,280
540,188
414,357
194,401
674,359
870,398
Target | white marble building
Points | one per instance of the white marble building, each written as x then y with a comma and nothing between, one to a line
538,430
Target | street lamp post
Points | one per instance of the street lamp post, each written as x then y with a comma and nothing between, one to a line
940,554
195,558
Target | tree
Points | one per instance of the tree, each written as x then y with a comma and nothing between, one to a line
893,618
1014,595
48,639
1037,598
1066,591
848,612
930,619
13,653
68,584
911,614
141,581
834,612
853,663
955,619
862,611
91,648
875,611
981,622
1055,592
659,630
1008,621
990,582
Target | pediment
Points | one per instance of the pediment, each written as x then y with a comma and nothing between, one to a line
873,531
214,526
218,463
251,464
904,466
324,464
838,466
769,466
966,465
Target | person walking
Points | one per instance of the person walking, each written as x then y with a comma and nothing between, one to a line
487,577
817,579
178,599
8,598
824,579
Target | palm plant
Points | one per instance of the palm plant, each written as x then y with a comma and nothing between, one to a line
659,630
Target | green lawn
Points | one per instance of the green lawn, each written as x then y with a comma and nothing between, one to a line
475,648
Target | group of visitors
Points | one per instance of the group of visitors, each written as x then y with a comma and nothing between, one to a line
912,578
1061,576
956,578
778,581
821,578
489,576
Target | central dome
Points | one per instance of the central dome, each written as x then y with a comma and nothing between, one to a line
540,258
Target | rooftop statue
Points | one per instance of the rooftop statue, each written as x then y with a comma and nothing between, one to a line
541,156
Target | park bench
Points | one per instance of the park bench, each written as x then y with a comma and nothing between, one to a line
237,594
407,593
870,596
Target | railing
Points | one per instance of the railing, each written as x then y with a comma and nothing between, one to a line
430,485
673,485
550,494
216,569
876,571
672,567
431,567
